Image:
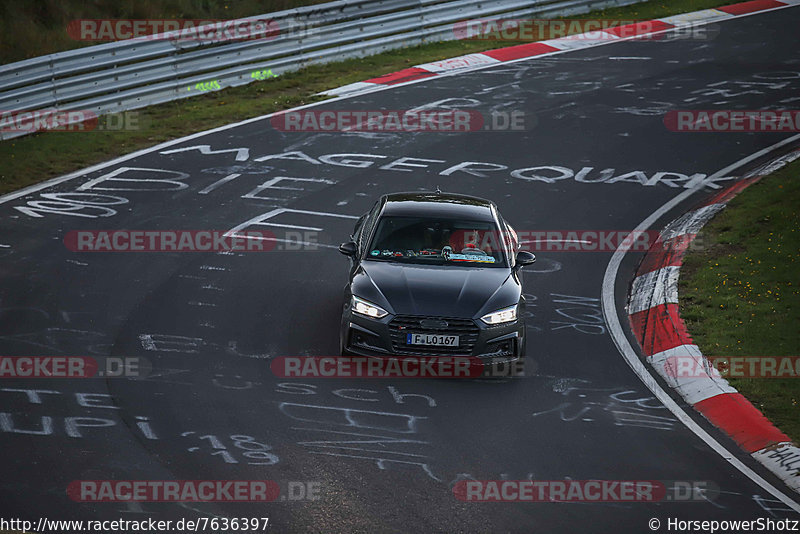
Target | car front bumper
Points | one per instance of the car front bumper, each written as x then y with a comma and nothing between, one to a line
494,344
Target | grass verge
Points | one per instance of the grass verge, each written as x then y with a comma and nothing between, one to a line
740,293
38,157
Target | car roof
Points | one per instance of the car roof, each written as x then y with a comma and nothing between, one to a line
447,205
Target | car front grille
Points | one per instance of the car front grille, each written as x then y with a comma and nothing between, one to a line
465,329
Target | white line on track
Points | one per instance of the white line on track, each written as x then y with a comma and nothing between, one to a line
617,334
83,172
457,72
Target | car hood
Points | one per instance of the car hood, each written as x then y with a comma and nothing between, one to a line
441,290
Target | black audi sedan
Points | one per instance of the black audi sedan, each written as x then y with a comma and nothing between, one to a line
434,274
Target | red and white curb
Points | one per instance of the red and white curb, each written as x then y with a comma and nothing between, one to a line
572,42
657,325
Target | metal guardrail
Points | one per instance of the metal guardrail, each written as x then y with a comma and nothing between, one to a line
135,73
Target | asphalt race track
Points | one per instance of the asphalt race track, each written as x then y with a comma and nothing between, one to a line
385,453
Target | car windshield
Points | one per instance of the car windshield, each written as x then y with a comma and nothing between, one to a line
437,241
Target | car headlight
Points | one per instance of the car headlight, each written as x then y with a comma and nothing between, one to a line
506,315
362,307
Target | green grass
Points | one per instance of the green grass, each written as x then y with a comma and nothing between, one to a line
740,293
34,158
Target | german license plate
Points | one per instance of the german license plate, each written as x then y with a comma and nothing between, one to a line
432,339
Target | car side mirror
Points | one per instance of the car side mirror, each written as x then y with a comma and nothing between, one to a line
524,258
349,248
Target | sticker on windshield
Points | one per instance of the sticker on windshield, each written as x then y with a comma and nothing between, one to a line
478,258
